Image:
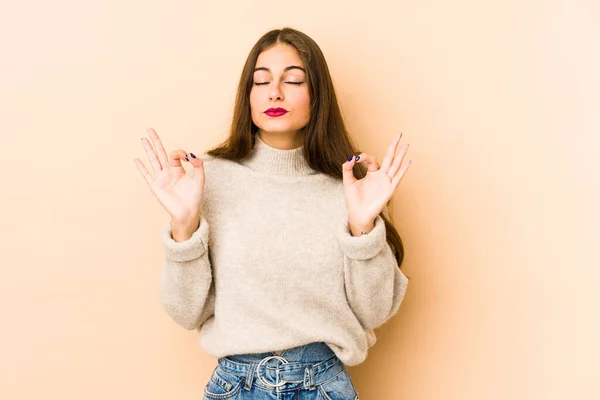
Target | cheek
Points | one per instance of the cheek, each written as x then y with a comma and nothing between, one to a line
304,103
255,106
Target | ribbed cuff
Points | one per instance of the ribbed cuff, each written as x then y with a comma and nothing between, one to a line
365,246
189,249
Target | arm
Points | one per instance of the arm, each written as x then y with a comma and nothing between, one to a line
375,286
186,287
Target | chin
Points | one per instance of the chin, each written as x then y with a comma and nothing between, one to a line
277,128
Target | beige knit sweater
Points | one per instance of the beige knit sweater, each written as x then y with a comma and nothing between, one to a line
273,264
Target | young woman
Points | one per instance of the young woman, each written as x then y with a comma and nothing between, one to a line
278,250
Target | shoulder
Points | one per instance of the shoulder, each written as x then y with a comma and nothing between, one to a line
215,163
330,188
215,169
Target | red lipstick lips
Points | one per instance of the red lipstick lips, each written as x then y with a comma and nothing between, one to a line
276,112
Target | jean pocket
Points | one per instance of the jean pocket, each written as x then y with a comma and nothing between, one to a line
222,385
339,387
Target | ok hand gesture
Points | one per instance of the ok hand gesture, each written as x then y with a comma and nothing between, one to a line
179,193
365,198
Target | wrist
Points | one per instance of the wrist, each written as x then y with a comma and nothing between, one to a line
359,229
183,229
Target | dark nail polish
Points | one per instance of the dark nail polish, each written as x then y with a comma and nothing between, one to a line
357,158
350,159
186,157
192,154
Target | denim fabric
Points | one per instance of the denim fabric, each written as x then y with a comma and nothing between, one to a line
312,372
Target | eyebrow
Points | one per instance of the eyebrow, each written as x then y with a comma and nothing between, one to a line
285,70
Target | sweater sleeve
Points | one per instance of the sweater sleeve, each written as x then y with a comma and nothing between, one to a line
186,287
375,286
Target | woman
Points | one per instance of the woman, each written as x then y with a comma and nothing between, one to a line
280,257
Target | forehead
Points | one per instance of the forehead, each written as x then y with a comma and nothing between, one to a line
279,56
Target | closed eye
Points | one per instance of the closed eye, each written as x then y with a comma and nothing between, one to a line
266,83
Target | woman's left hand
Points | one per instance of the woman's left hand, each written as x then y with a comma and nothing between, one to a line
365,198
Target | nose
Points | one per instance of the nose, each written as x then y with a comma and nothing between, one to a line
275,92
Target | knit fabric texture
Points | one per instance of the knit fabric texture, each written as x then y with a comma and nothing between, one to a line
273,264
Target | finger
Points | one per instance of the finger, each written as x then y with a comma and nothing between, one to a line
198,168
142,168
176,157
398,160
389,154
160,150
151,155
372,164
398,177
347,172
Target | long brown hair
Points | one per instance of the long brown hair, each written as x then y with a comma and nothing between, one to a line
327,144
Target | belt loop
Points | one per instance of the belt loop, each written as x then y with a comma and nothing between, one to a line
250,377
309,378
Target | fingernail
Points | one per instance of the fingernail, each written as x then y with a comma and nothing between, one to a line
350,159
192,154
357,158
186,157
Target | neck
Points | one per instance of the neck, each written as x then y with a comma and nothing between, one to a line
282,141
273,160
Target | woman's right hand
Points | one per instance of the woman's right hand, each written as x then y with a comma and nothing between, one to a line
179,193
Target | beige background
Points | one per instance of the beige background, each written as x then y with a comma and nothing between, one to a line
499,100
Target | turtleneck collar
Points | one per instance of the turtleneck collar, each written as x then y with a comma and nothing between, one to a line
265,158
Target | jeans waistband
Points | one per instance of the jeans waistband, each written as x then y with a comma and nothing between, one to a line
305,366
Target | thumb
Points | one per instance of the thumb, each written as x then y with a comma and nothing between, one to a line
175,158
198,165
347,172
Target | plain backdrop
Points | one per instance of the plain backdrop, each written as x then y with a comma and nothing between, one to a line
500,101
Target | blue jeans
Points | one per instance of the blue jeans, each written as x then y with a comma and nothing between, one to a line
309,372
